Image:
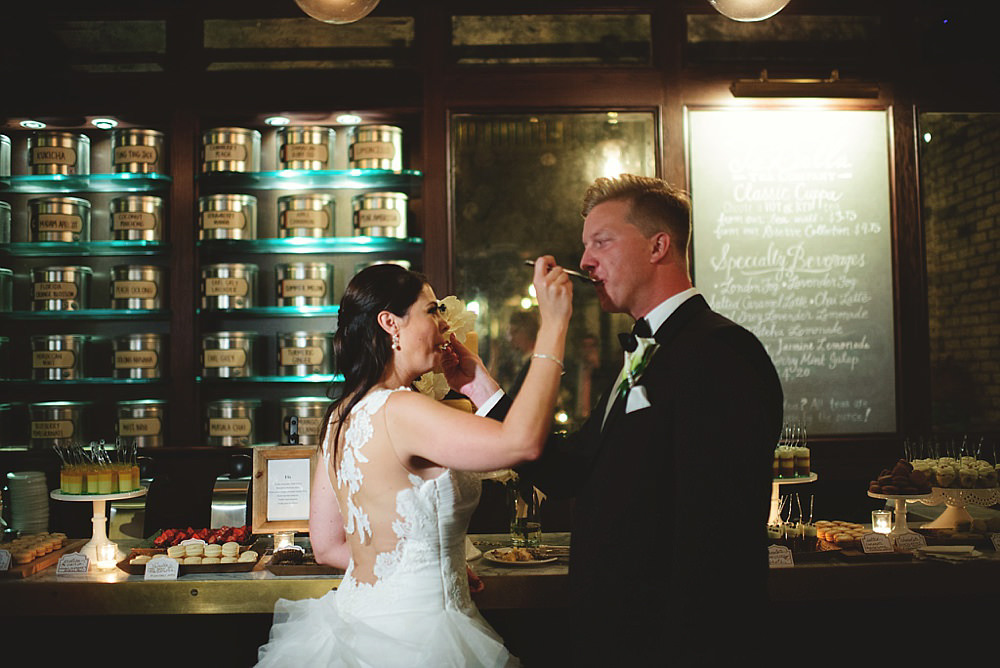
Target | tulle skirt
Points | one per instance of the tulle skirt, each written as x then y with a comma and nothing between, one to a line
315,632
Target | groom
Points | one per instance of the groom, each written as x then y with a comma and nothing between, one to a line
671,473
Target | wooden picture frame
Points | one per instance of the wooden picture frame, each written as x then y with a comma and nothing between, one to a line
263,456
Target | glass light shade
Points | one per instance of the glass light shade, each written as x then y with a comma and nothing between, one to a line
748,10
337,11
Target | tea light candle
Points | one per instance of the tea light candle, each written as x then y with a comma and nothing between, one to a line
882,521
283,539
107,555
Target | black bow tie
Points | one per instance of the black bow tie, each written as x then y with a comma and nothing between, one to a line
639,330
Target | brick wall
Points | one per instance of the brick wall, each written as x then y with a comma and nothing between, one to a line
960,190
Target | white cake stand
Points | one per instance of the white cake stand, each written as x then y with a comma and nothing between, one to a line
776,483
955,500
899,526
100,533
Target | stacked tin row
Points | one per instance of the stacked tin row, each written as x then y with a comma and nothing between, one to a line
68,288
311,215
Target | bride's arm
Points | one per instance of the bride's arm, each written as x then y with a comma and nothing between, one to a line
420,427
326,526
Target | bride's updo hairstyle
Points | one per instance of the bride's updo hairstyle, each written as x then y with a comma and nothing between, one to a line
361,348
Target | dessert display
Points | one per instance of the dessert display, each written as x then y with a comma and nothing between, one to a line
290,554
95,470
236,535
26,549
959,472
195,556
904,478
839,534
791,461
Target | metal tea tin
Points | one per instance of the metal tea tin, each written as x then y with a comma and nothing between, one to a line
230,422
230,150
305,147
310,215
405,264
137,150
60,288
4,223
380,215
58,219
141,421
138,286
228,286
375,147
305,353
6,289
302,420
4,156
227,217
54,152
227,354
58,356
137,218
304,284
56,423
139,356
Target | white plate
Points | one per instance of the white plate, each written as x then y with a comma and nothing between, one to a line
493,555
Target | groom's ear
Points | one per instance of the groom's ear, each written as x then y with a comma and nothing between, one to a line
659,247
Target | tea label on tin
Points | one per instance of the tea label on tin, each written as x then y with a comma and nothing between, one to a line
215,287
316,220
133,220
53,359
139,427
298,356
310,426
378,218
229,427
59,222
217,152
48,290
223,220
225,358
305,152
74,563
134,290
372,150
306,287
53,155
51,429
135,359
127,154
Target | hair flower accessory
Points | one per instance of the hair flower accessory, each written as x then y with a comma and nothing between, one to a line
461,323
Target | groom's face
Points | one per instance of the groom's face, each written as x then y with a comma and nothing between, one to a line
616,255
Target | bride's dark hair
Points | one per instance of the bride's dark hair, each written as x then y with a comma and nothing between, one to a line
361,348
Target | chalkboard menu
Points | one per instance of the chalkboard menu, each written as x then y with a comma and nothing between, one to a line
792,241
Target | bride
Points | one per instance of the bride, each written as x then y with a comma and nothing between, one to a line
396,487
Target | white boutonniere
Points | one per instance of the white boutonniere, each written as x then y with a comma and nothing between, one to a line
636,363
461,323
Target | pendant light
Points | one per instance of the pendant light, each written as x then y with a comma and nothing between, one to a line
748,10
337,11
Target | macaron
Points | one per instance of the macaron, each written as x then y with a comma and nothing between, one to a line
176,551
213,550
231,549
191,561
249,555
194,549
210,560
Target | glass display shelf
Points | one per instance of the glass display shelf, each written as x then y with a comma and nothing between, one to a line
406,180
97,380
62,183
312,378
92,314
314,245
83,248
272,312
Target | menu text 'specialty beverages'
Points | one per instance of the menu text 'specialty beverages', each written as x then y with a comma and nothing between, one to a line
792,240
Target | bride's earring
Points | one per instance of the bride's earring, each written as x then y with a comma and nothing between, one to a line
395,341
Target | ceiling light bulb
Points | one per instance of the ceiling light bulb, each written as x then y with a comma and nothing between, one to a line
337,11
32,125
748,10
348,119
104,123
275,121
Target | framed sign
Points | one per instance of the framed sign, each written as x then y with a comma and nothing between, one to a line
793,240
282,480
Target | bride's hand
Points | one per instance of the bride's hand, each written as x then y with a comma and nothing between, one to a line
554,292
466,373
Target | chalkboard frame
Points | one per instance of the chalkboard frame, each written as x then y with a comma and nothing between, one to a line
893,341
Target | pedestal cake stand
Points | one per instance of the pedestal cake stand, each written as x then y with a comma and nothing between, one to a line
99,538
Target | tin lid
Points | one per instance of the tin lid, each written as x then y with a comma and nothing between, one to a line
76,201
4,139
253,403
147,132
142,402
232,130
60,404
228,335
4,271
246,266
304,400
78,136
285,129
4,205
69,267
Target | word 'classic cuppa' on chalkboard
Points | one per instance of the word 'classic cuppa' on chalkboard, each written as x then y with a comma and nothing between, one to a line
792,241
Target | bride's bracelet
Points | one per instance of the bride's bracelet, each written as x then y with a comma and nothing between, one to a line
544,356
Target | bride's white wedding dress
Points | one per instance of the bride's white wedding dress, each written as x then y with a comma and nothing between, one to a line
404,600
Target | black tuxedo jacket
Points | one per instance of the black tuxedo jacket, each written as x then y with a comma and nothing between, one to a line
669,558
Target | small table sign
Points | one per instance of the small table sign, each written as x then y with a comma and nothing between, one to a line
4,560
162,567
995,537
873,543
910,541
74,563
779,556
